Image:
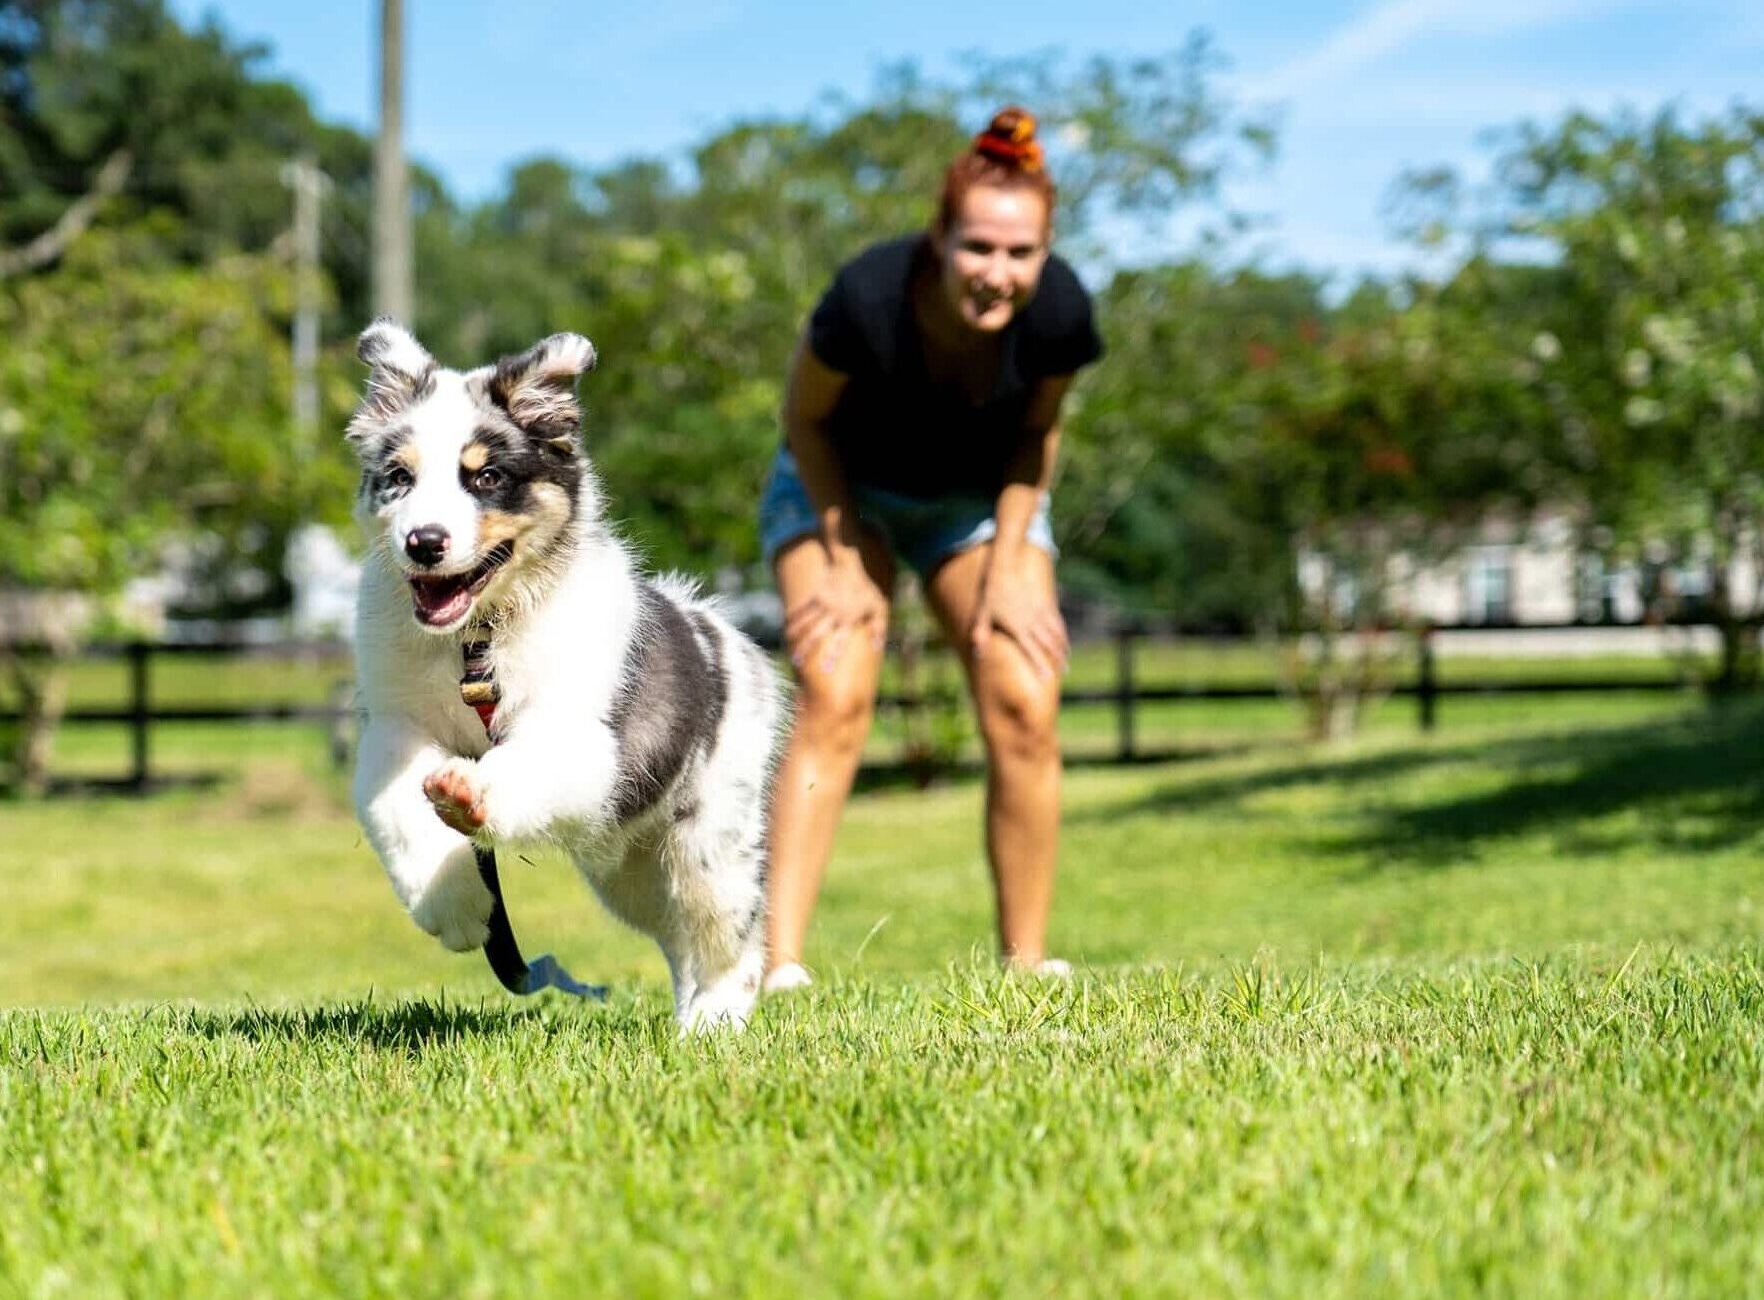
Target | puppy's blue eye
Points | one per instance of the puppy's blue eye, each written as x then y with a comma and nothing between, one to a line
399,477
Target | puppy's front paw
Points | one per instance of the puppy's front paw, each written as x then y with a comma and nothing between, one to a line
455,908
457,794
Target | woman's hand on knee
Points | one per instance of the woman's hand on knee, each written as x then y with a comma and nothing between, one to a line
1017,602
846,604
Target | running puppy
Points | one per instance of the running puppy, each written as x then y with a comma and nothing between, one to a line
619,718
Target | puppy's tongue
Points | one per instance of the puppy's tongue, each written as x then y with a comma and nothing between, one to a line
439,601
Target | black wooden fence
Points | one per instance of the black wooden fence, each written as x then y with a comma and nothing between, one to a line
140,713
1126,695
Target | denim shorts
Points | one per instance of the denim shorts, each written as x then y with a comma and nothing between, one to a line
923,531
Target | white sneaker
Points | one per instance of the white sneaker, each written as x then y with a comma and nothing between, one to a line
783,979
1048,968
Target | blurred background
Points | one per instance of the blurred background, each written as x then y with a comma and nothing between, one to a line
1434,332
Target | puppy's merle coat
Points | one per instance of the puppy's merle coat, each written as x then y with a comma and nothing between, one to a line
635,727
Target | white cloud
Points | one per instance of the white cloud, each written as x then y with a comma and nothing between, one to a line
1464,106
1399,85
1383,29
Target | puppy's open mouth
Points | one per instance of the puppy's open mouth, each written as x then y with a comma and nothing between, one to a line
441,601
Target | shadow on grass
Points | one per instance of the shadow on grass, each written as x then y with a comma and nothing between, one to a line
894,775
1697,781
415,1026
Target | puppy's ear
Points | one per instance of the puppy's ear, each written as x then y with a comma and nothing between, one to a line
538,388
398,370
393,350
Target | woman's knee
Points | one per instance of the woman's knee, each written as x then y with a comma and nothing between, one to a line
1019,716
834,710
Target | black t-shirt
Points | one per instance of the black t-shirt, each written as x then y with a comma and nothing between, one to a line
894,427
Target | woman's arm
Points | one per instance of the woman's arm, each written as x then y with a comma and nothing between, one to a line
1030,472
810,394
848,599
1009,602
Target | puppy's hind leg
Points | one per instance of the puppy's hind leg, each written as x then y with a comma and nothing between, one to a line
725,999
637,892
719,888
719,848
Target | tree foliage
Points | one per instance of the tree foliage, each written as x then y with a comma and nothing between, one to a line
1643,344
156,399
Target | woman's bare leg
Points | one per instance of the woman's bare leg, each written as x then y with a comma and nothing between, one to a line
1019,716
834,706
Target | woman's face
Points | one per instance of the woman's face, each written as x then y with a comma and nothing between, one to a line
992,255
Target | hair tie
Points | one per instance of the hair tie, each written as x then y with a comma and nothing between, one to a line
1018,147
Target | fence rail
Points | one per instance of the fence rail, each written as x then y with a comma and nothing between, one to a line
1126,695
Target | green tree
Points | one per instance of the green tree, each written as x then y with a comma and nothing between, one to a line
115,100
1255,457
141,402
143,298
1645,343
1150,510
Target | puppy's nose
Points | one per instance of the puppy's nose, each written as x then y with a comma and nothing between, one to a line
426,545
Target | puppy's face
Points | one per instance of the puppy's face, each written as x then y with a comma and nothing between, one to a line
468,480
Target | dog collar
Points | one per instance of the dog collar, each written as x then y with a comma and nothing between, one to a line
476,685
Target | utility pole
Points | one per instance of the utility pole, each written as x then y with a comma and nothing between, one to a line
393,294
308,184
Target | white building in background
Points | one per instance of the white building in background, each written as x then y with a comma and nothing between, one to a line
1514,575
1511,576
325,578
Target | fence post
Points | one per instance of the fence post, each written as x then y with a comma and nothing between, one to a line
1427,682
138,711
1124,695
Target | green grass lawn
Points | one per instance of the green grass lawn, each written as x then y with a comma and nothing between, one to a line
1480,1013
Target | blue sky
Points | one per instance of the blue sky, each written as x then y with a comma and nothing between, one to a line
1364,88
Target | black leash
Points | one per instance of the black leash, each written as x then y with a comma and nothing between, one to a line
477,687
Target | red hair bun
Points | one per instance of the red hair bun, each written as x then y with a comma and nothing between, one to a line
1010,138
1005,155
